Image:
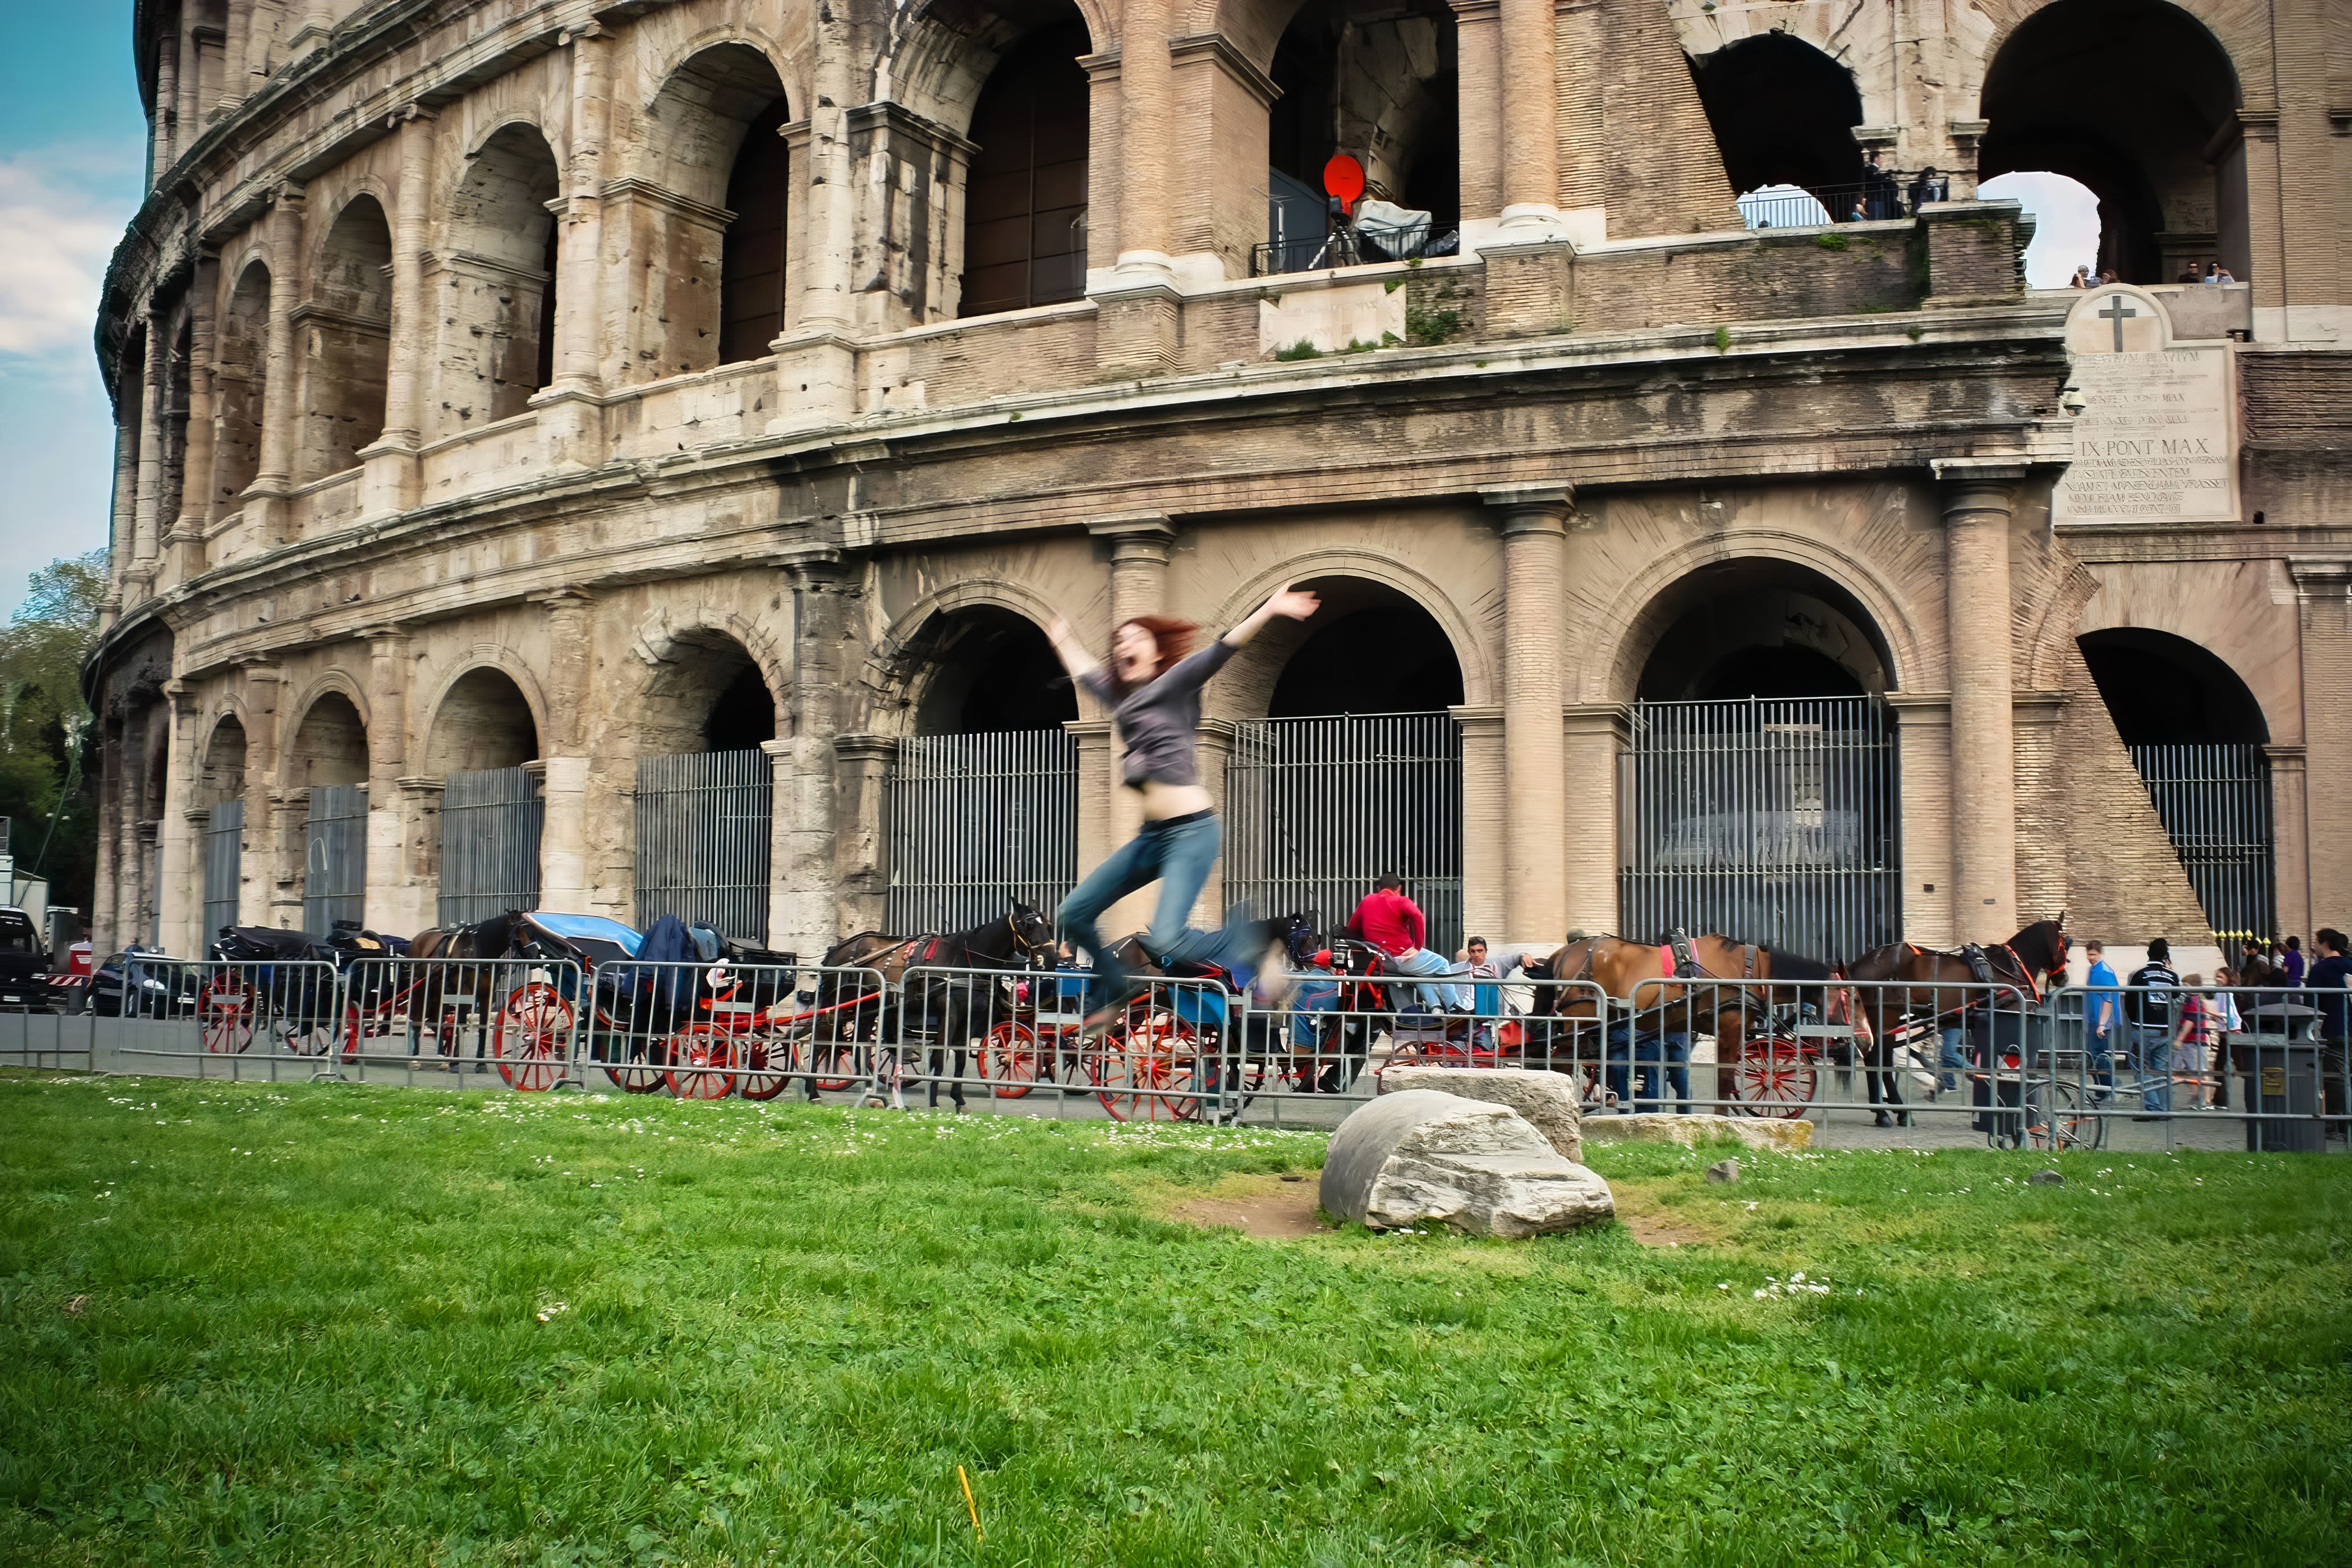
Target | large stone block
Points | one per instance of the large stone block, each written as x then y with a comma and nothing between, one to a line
1545,1100
1417,1154
1690,1131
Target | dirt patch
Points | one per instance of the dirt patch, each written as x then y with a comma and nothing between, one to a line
1269,1207
1656,1224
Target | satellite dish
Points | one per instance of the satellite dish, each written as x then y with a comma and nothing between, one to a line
1344,177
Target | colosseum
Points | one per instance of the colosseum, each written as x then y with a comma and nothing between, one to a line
621,456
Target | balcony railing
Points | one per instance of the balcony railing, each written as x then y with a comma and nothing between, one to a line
1347,245
1796,206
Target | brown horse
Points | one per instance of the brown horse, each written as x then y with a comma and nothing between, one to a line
436,991
1917,997
1728,992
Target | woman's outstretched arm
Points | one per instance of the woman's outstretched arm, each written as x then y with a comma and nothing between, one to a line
1072,653
1291,605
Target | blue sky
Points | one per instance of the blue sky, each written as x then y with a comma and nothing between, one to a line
72,154
72,159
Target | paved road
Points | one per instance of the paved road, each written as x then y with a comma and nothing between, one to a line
139,1047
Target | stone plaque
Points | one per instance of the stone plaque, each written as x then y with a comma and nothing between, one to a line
2156,441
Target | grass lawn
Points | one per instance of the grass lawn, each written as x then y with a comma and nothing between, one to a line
335,1324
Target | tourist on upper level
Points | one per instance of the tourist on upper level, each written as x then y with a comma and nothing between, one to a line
2081,278
1930,186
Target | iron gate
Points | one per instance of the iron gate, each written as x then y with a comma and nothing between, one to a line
1317,808
490,822
976,819
223,867
1773,822
334,856
702,839
2215,803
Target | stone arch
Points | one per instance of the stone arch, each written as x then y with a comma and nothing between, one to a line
489,713
710,680
1250,681
220,771
2161,689
940,56
1783,113
330,744
1379,84
904,664
240,375
345,333
1623,639
497,280
2137,130
1025,196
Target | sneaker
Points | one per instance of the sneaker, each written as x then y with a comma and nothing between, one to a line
1272,985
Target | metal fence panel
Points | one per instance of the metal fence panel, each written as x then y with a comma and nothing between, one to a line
490,821
703,835
224,864
1776,822
974,819
2215,803
334,856
1317,808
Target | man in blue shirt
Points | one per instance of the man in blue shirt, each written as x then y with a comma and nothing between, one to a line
2099,1018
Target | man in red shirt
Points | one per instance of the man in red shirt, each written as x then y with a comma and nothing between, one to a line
1393,923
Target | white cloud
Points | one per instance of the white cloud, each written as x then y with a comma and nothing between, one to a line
2065,224
58,227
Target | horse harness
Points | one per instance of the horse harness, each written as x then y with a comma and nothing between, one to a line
1680,960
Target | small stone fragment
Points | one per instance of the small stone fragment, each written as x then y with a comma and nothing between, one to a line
1723,1172
2045,1179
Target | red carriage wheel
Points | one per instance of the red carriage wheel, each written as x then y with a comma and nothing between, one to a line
532,1036
701,1063
1774,1078
225,1011
1149,1070
761,1062
832,1065
1008,1059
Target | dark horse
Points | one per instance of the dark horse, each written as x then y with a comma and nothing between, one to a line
1916,997
918,1004
1727,989
435,984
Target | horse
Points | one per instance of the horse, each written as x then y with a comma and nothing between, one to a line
1914,997
435,983
938,1005
1727,980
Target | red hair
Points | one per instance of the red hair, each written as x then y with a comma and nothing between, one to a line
1173,639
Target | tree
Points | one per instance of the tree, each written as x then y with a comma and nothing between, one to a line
46,790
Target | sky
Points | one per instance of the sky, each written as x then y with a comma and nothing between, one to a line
72,161
72,158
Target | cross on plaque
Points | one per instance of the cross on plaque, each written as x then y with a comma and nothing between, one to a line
2118,310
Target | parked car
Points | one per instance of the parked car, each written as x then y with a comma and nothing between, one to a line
155,986
23,962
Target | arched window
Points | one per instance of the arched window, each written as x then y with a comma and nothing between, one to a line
497,301
1783,115
1025,194
751,270
237,388
345,331
483,721
2151,129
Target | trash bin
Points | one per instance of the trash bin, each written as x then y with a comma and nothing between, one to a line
2285,1081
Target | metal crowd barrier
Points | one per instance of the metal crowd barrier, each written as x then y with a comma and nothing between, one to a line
2047,1071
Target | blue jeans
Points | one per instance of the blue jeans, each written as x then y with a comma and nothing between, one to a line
1671,1052
2097,1054
2151,1050
1950,1063
1178,857
1421,961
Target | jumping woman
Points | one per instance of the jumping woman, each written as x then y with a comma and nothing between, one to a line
1152,687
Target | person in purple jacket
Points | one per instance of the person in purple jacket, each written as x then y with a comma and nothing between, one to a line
1152,687
2293,961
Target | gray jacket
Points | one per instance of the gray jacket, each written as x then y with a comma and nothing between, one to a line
1160,720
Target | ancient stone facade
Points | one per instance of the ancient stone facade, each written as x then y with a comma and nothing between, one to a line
554,382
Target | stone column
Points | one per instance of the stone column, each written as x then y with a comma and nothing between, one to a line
392,903
180,883
185,544
258,891
263,29
816,359
167,99
563,840
1923,741
420,820
391,482
572,416
805,906
2324,606
1595,738
146,528
1478,34
1484,811
1979,501
103,899
1097,786
1215,743
1147,85
1531,101
1533,520
2291,840
862,851
1141,544
2040,786
274,478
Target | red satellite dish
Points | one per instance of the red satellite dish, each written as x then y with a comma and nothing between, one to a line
1344,178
